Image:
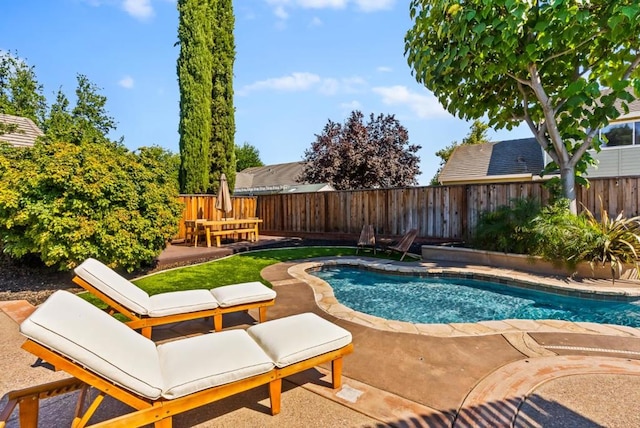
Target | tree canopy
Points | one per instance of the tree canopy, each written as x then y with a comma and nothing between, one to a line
223,125
195,68
205,78
355,155
558,65
20,92
247,156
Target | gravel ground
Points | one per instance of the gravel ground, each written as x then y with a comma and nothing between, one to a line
30,280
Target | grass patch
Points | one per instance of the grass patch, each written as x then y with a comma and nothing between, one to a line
244,267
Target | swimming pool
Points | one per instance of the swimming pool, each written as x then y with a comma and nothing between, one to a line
456,300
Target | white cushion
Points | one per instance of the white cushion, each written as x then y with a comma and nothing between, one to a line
113,285
201,362
246,292
75,328
180,302
298,337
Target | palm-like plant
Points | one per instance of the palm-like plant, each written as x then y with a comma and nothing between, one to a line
614,240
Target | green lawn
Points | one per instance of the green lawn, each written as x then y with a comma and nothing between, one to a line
238,268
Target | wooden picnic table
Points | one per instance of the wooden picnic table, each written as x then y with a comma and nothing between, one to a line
231,226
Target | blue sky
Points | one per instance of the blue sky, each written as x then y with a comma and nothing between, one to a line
298,64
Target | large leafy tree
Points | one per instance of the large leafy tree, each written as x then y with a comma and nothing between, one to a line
558,65
477,135
195,78
87,121
355,155
223,127
20,92
247,156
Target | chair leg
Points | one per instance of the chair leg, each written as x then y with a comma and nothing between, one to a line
80,422
28,410
336,373
263,314
217,322
146,332
275,395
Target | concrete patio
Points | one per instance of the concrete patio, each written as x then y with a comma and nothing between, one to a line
524,377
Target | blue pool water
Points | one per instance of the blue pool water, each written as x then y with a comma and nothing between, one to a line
449,300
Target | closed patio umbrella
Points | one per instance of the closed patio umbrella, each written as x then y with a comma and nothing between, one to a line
223,199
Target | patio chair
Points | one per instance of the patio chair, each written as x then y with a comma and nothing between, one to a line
161,381
404,244
194,229
367,238
144,311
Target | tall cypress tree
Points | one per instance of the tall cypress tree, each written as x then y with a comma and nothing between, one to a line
223,128
195,66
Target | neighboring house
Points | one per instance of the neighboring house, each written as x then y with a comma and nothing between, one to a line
502,161
524,159
270,179
620,156
26,133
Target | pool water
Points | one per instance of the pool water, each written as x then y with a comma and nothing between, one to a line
452,300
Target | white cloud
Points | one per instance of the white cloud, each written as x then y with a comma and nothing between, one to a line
351,105
424,106
316,22
302,81
126,82
293,82
329,86
361,5
140,9
374,5
280,12
384,69
322,4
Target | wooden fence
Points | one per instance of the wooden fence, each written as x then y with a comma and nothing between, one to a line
439,213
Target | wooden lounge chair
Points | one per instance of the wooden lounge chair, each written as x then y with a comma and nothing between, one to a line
160,381
367,238
404,244
145,312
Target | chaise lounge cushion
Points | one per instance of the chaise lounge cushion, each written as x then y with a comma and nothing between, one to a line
239,294
288,340
113,285
201,362
83,333
180,302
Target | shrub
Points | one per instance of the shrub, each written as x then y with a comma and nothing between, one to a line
507,229
611,240
561,236
65,202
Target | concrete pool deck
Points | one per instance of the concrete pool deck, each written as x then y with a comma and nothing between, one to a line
527,376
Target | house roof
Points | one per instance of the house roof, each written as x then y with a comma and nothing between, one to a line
274,179
26,134
272,175
634,110
512,158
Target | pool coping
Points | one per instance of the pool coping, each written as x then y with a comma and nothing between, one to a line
326,300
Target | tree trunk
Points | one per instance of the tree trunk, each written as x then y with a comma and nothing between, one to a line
568,177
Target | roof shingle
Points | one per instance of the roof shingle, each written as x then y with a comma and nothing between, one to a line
26,134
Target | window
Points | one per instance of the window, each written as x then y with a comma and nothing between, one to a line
621,134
